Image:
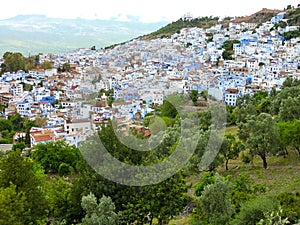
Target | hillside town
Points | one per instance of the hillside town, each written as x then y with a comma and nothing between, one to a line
125,82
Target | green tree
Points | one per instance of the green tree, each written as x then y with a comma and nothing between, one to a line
291,34
208,178
230,148
204,94
17,122
174,103
162,201
5,125
65,169
289,109
290,82
57,155
260,95
30,63
231,117
6,131
3,68
29,181
65,68
289,134
168,109
194,96
228,46
216,203
157,124
89,181
102,213
254,210
20,145
227,55
58,193
282,96
245,108
133,203
46,65
264,106
12,206
206,157
243,100
14,61
205,119
244,189
261,136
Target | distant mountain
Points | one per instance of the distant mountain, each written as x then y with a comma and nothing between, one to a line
39,34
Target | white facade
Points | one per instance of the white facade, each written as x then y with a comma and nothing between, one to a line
16,89
231,96
76,126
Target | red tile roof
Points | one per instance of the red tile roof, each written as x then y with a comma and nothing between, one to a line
42,137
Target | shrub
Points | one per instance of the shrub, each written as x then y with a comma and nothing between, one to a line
254,210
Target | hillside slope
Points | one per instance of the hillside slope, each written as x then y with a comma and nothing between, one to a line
264,15
258,17
175,27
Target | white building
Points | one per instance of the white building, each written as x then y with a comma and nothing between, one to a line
16,89
252,64
78,126
231,96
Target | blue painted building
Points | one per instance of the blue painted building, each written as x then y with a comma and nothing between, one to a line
49,99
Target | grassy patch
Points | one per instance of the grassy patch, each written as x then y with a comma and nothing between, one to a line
180,221
282,175
232,130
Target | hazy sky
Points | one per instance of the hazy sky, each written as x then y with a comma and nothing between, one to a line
146,10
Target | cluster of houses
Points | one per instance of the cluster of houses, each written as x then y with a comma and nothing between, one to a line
142,73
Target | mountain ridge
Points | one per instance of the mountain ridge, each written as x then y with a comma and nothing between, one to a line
39,33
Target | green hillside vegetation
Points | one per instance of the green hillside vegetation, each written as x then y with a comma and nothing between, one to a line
293,16
175,27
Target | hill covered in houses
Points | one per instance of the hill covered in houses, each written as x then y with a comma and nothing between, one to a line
55,108
262,16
